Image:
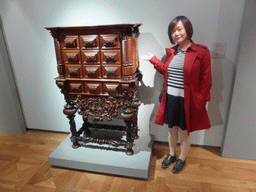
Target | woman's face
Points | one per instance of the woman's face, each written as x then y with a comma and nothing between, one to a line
179,34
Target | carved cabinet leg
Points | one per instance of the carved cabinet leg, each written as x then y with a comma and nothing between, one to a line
70,110
84,128
135,104
129,138
135,128
128,116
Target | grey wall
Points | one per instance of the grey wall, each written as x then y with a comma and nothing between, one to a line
11,117
216,25
240,138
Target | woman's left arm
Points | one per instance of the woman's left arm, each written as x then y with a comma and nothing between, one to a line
206,75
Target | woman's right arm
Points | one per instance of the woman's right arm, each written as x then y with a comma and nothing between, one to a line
158,64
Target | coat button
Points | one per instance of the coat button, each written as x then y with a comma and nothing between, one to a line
187,84
190,116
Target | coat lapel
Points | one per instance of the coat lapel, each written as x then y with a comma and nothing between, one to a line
191,55
170,54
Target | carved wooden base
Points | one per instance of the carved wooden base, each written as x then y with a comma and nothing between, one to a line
115,143
86,136
83,135
100,108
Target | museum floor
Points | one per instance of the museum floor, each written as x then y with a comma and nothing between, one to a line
24,167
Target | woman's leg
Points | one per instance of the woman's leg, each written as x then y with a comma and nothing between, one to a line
185,142
173,138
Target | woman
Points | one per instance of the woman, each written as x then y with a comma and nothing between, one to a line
187,84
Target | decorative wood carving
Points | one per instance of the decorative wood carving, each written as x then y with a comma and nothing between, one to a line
115,143
98,70
100,107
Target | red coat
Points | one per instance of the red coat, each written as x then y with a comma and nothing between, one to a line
197,85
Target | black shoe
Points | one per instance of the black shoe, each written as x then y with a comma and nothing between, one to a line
168,160
178,166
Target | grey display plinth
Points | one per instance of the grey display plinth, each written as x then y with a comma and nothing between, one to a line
105,158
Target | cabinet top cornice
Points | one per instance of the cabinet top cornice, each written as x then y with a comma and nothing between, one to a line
97,27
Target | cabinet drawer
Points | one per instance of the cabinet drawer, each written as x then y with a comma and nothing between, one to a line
111,56
111,71
75,87
89,41
91,56
92,71
71,56
74,71
93,88
110,41
70,42
112,89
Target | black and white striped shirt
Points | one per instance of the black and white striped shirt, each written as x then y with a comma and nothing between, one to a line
175,79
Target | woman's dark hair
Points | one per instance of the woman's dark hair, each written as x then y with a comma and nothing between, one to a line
187,24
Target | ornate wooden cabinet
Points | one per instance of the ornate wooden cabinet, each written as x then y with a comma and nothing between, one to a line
98,70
